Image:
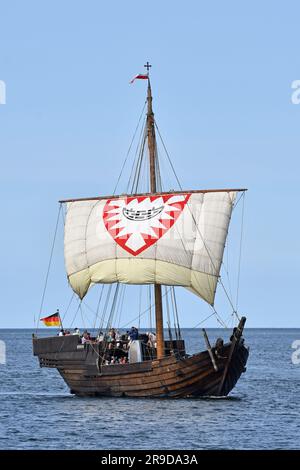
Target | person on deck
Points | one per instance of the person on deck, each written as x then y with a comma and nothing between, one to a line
152,340
100,337
117,338
85,337
111,338
133,333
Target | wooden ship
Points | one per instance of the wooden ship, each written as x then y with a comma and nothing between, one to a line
156,238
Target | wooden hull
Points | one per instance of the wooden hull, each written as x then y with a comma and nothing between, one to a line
170,377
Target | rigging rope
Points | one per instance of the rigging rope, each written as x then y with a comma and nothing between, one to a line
240,254
168,156
140,307
204,320
64,337
121,303
105,308
67,309
136,180
140,144
237,202
168,317
76,313
98,305
150,309
131,143
218,317
157,170
48,268
113,308
226,266
175,310
143,313
209,255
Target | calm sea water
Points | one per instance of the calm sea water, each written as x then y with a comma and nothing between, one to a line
262,412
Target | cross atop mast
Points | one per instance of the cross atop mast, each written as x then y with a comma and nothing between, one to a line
148,66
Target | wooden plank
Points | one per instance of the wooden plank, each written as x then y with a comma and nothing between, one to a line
210,352
236,338
154,388
170,380
168,377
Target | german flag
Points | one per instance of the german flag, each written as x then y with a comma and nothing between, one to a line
52,320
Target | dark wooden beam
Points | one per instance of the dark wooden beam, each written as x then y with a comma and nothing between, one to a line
192,191
236,338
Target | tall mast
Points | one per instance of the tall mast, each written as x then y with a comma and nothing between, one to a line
153,188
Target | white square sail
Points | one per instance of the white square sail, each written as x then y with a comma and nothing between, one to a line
172,239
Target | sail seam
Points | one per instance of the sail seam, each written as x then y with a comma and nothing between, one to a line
137,259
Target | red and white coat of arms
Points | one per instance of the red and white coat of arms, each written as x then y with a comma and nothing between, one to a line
136,223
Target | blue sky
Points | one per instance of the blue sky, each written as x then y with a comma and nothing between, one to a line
221,75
